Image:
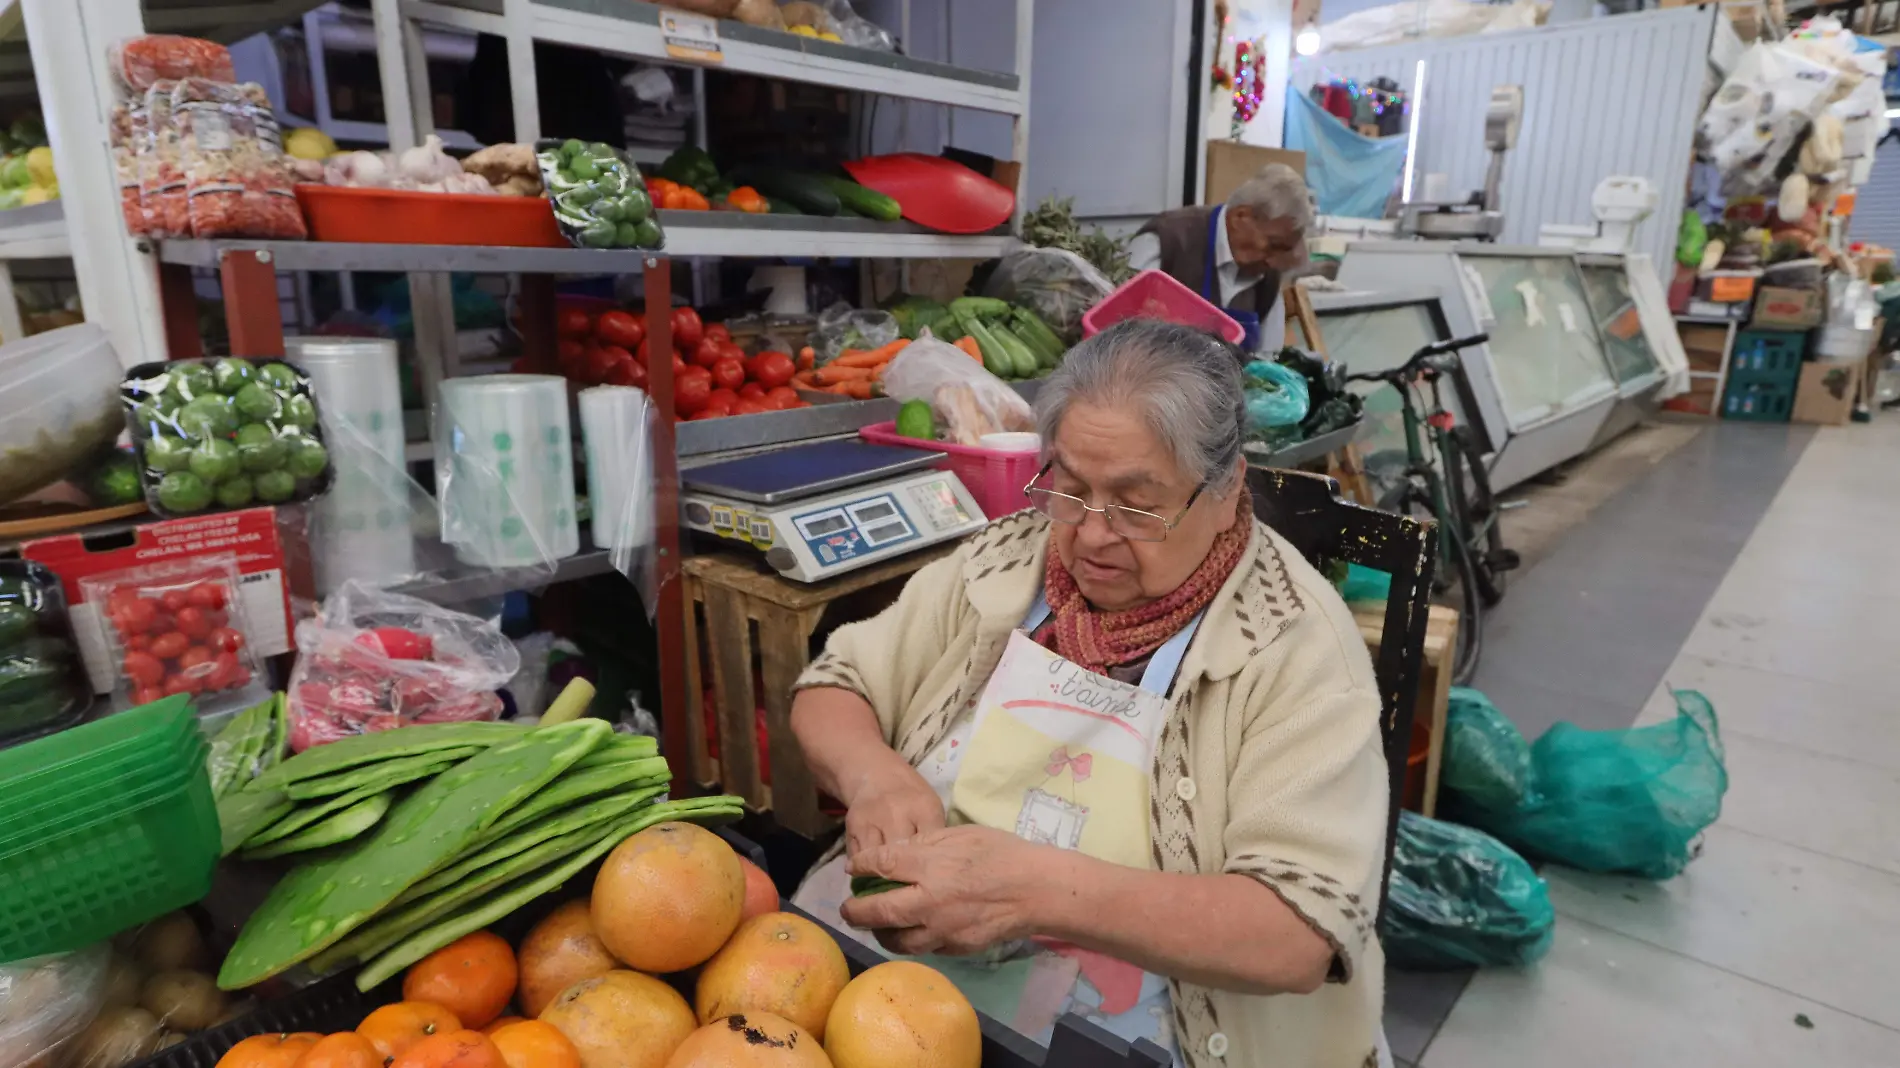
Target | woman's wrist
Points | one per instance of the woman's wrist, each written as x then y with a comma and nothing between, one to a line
1060,887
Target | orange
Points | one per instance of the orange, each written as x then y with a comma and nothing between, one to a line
777,963
500,1023
345,1049
622,1020
392,1029
761,895
269,1051
560,951
535,1044
668,897
472,977
752,1040
902,1014
453,1049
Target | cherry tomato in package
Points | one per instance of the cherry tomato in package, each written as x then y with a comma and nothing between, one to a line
169,626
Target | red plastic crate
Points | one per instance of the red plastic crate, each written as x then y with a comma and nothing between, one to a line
1154,295
406,217
994,477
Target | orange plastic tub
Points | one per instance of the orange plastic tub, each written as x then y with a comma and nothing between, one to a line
400,217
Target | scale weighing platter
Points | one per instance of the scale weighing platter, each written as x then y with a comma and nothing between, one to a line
804,470
811,536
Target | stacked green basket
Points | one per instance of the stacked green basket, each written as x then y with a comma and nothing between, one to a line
102,827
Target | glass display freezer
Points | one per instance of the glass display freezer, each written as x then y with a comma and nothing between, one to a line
1619,318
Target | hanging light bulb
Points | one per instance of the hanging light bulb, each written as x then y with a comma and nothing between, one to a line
1307,43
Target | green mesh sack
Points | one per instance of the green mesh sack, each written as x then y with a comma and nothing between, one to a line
1459,898
1486,759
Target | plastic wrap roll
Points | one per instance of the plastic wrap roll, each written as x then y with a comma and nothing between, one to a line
617,427
504,468
361,528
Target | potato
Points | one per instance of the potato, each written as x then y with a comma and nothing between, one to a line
183,1000
115,1038
123,979
170,943
761,13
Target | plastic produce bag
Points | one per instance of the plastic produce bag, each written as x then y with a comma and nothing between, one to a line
842,327
373,660
617,424
968,401
1276,397
600,199
138,63
45,1001
1486,759
237,179
1459,897
1056,284
1633,800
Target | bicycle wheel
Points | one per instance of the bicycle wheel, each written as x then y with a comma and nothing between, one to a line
1479,524
1454,584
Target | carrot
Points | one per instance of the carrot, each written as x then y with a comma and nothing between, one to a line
877,357
857,389
831,374
803,380
807,358
969,346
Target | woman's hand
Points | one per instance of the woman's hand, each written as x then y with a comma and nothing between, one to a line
890,805
971,887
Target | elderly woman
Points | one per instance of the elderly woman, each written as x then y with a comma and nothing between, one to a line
1124,746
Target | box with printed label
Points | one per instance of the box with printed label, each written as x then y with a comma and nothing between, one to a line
251,534
1784,308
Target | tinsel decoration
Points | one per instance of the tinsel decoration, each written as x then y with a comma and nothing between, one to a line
1249,69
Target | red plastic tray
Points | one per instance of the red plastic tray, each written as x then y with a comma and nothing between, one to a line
401,217
995,478
1154,295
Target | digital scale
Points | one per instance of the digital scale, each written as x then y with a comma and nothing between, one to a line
821,510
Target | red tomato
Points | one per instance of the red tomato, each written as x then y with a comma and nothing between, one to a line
691,390
179,682
136,616
145,695
781,398
194,622
732,351
773,369
170,645
195,657
209,595
173,600
141,642
572,322
120,597
709,413
620,328
224,672
397,643
679,364
748,406
627,373
570,356
719,332
144,668
600,361
707,353
226,639
728,373
752,391
687,329
721,397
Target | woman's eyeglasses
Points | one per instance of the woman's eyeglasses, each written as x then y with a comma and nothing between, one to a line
1131,523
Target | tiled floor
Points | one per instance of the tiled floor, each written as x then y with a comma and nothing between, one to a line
1758,565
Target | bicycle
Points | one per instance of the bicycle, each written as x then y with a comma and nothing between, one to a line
1456,492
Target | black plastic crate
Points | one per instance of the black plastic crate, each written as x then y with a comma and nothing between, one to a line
334,1004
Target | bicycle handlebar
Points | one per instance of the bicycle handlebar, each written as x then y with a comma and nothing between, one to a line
1423,358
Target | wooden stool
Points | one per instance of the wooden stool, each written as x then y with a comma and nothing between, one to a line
1434,684
736,592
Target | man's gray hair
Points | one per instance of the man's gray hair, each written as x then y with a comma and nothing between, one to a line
1184,383
1276,191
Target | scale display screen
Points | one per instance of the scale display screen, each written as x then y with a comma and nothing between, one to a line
830,523
842,532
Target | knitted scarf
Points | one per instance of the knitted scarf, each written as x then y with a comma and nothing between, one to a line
1101,640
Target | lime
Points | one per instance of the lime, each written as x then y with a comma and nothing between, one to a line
182,491
231,373
209,416
165,453
915,420
299,411
214,460
280,376
267,454
235,492
274,486
308,458
257,401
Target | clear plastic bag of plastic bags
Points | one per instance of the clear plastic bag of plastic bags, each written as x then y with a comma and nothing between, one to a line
1459,897
842,327
46,1001
617,425
1634,801
1056,284
1277,399
374,660
967,400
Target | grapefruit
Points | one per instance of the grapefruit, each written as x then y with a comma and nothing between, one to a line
622,1020
751,1040
761,895
560,951
902,1014
778,963
668,897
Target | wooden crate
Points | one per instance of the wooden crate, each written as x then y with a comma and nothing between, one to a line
1434,686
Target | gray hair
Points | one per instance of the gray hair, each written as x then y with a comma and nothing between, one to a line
1276,191
1185,383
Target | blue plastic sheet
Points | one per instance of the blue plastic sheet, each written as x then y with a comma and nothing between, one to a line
1349,174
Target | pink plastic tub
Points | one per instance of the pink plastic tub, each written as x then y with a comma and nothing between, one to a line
1154,295
995,478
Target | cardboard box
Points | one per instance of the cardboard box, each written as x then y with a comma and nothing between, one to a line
251,534
1826,392
1230,163
1783,308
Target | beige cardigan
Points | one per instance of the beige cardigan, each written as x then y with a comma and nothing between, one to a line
1269,765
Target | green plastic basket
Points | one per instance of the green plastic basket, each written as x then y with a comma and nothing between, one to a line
135,834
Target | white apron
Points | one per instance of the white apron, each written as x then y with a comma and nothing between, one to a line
1059,755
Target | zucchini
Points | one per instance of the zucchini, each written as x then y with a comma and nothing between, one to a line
1020,354
985,308
1030,327
781,206
866,202
803,191
996,359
